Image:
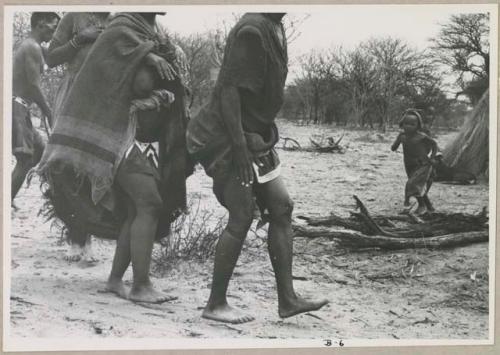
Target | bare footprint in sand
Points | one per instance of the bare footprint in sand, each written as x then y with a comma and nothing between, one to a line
227,314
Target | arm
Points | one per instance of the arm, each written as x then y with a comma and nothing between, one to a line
231,115
60,53
61,50
64,46
434,147
33,63
245,70
396,143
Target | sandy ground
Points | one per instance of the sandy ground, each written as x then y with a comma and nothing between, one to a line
416,293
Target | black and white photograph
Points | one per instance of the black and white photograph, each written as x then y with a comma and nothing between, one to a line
249,176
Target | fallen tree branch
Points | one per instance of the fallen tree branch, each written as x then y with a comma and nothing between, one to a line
356,239
436,230
430,225
328,145
296,145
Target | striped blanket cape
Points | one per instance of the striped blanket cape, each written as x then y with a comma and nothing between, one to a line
94,129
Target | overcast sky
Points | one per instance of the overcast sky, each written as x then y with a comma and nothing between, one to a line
337,25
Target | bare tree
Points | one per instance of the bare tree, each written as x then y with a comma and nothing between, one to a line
463,45
292,23
316,70
197,49
357,73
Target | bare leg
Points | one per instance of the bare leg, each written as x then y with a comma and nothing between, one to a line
77,236
87,252
428,204
23,165
422,208
121,260
239,202
280,247
143,191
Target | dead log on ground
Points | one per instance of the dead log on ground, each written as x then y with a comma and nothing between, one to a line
429,225
353,239
295,145
326,145
364,231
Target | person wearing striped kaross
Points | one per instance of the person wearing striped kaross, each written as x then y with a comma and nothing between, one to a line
126,93
70,45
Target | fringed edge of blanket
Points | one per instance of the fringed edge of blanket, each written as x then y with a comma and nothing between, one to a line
48,211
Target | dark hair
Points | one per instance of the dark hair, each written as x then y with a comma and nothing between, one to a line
37,17
415,113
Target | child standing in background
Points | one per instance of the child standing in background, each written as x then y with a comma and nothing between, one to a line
420,152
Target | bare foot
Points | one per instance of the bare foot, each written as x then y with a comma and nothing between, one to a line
149,295
299,305
72,258
226,313
117,287
74,253
88,255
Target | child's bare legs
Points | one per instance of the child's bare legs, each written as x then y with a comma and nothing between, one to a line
280,246
142,190
407,202
239,202
422,207
428,204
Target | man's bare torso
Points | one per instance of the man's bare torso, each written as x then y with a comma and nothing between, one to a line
21,84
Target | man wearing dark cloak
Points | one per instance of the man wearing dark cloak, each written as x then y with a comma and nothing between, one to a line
97,172
233,137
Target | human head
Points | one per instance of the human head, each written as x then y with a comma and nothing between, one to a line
411,121
44,24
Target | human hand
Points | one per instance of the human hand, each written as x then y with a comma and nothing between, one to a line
164,68
243,165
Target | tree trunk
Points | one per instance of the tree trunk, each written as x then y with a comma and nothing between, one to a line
468,152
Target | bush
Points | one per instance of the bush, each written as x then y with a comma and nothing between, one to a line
194,237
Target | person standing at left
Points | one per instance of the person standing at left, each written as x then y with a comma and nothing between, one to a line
28,62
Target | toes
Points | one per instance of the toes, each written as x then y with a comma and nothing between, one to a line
244,319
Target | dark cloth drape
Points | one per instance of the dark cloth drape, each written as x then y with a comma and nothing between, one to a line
95,130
